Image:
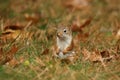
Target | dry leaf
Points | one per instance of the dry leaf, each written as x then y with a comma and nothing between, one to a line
75,28
86,54
77,4
11,32
105,54
13,62
78,28
34,17
81,37
15,33
13,27
6,57
92,56
45,52
96,55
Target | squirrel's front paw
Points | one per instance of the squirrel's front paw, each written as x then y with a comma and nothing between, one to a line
61,55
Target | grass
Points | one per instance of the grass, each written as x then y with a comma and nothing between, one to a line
36,66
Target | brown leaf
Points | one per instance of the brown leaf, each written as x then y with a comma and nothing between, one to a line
34,17
15,33
95,56
13,62
87,22
45,52
92,56
86,54
9,55
13,50
11,32
13,27
81,37
76,28
105,54
77,4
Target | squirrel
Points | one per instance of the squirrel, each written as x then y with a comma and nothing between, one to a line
64,48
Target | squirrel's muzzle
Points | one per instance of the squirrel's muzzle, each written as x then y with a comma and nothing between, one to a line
59,34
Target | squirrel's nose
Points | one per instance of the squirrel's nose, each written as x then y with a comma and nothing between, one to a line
59,34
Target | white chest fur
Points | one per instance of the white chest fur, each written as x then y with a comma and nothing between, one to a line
63,44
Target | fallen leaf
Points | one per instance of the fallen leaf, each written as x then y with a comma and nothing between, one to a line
34,17
11,32
13,63
81,37
87,22
75,28
6,57
86,54
96,56
105,54
13,27
78,28
45,52
76,4
15,33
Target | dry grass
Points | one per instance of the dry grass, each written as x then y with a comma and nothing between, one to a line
34,57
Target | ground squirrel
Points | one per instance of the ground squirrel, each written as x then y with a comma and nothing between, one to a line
64,44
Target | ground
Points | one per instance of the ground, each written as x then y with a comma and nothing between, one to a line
32,52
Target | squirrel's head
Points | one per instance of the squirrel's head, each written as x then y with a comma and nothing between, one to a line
64,32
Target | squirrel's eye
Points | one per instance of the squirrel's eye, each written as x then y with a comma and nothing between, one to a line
65,30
